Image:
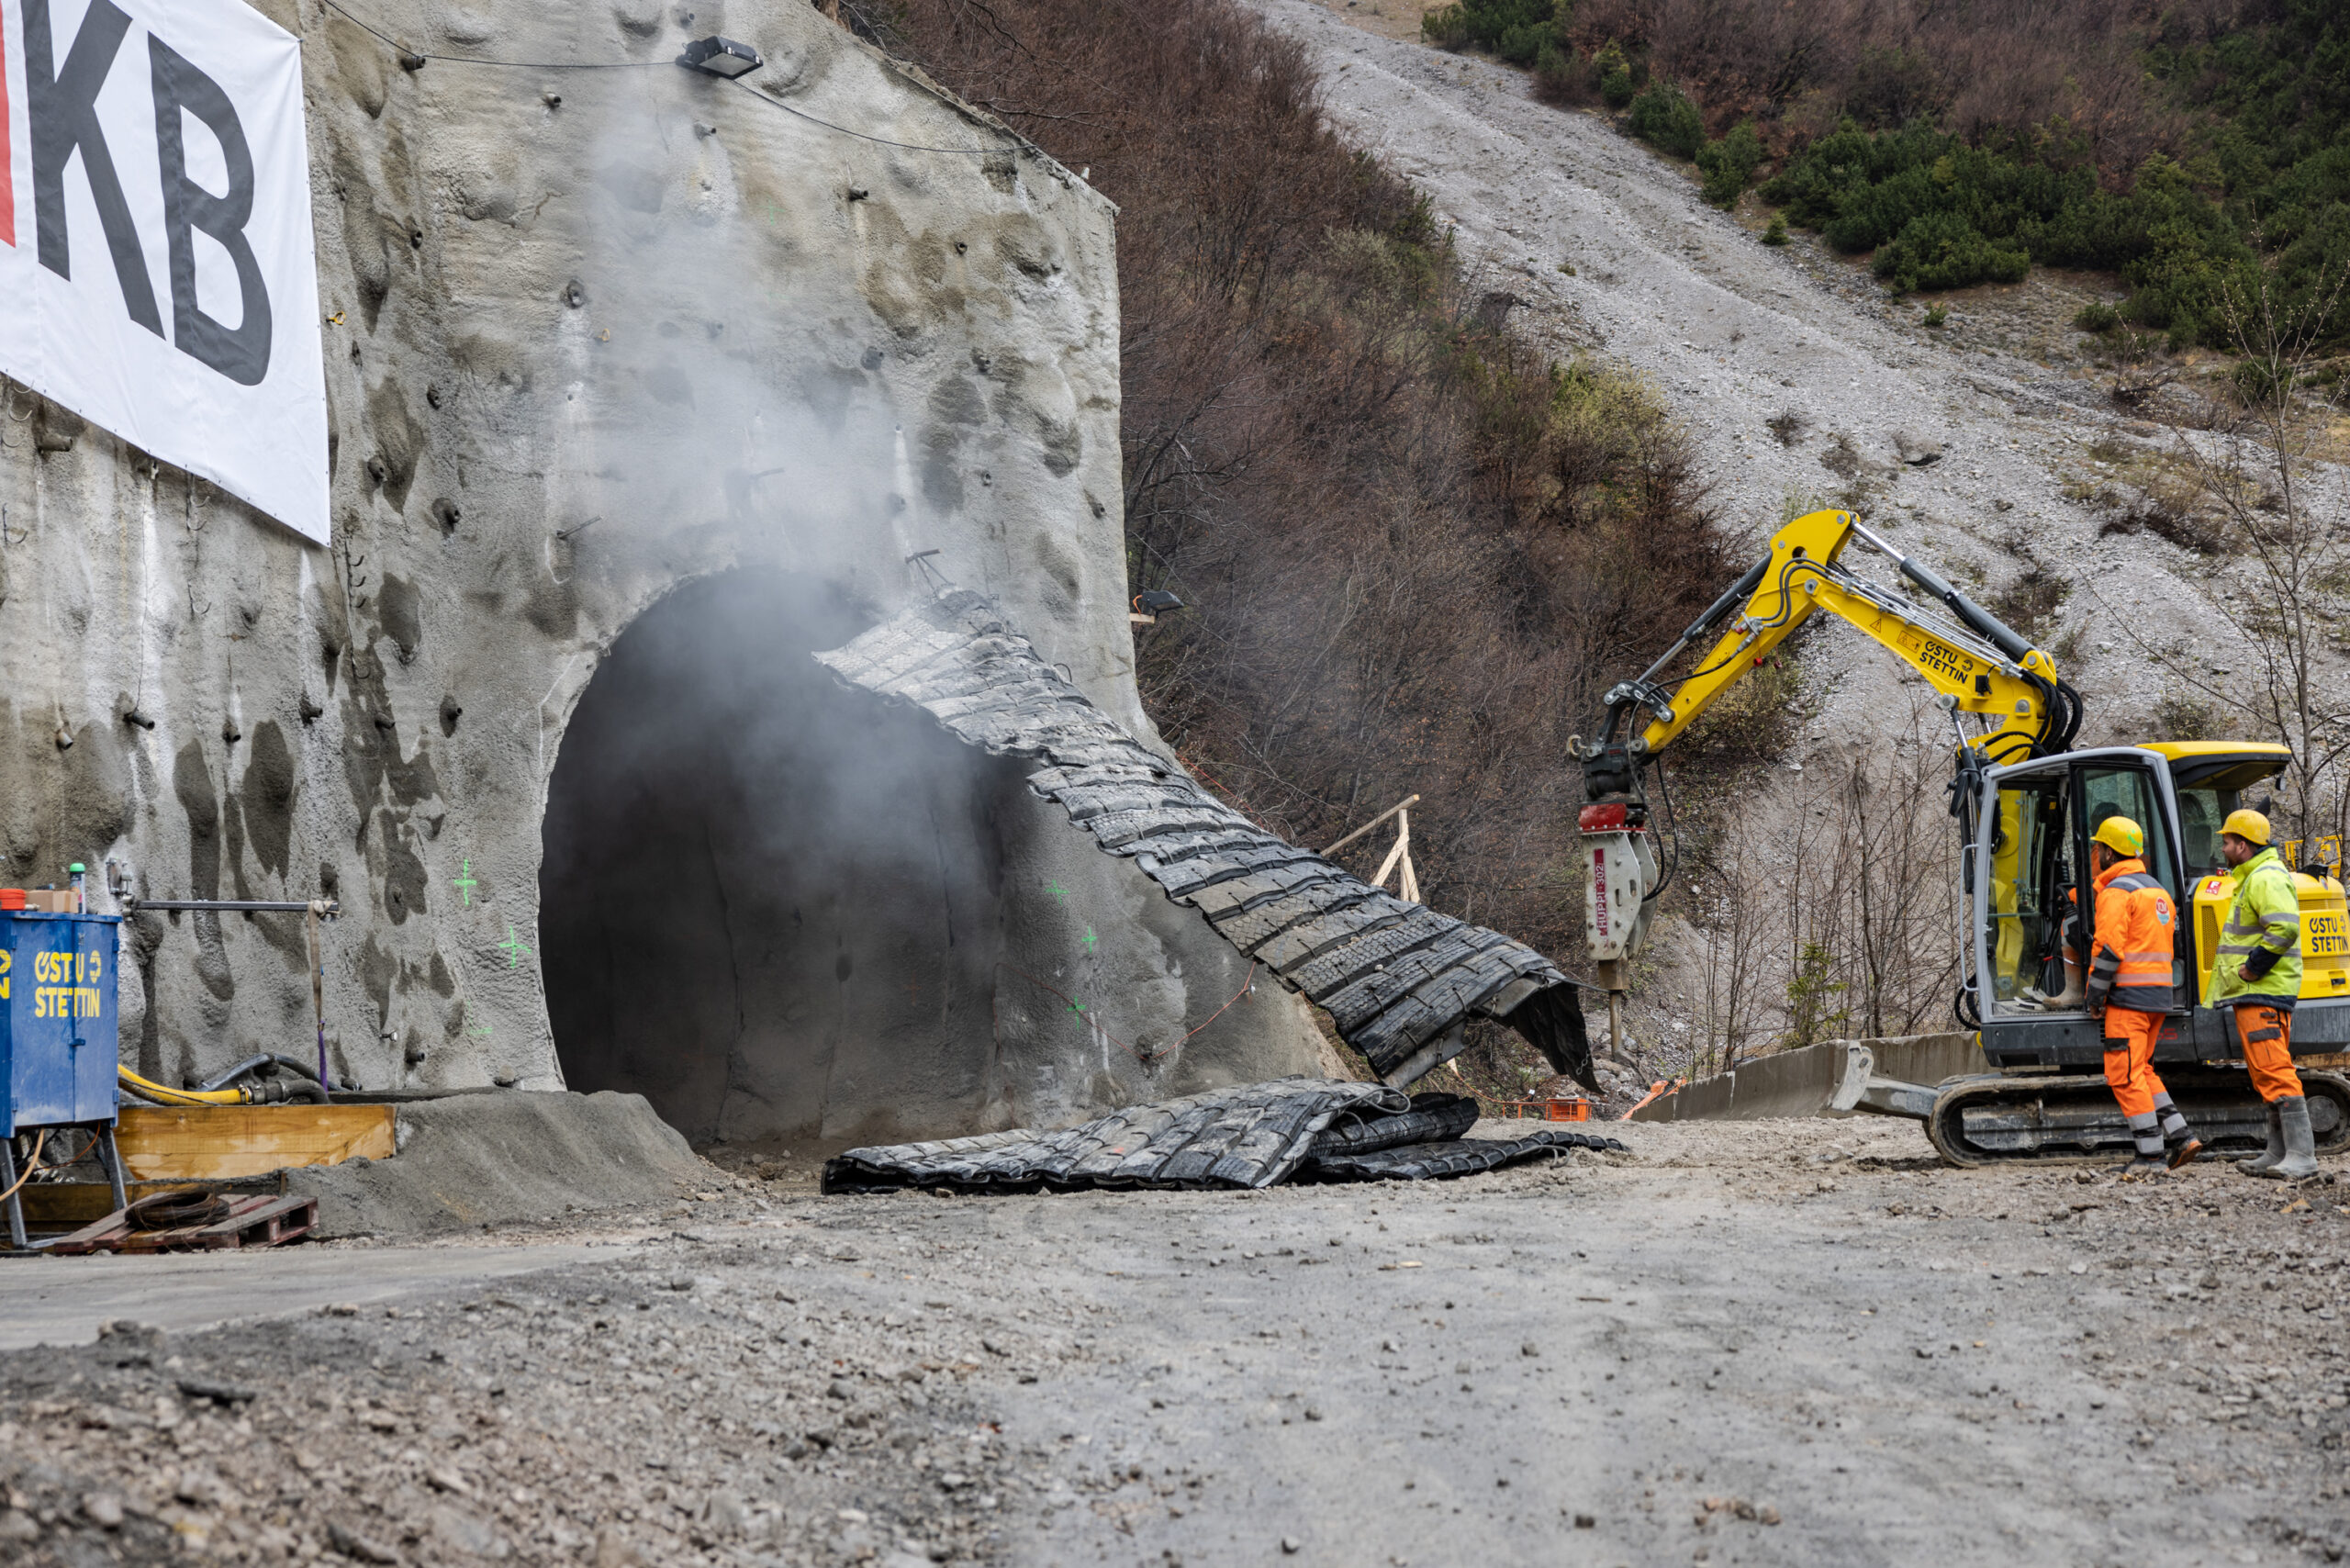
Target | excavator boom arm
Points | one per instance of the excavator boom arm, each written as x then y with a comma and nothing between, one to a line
1804,574
1976,664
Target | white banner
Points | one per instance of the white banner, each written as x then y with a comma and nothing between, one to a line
156,270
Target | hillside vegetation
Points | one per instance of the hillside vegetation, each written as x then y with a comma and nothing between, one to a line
2185,147
1413,553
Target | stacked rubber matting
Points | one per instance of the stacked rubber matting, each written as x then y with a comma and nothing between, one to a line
1397,979
1254,1135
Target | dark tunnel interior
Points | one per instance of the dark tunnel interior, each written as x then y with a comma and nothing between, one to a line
768,903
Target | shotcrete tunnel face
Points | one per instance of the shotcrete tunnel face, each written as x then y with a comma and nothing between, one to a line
768,903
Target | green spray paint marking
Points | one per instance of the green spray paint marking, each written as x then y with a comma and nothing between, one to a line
465,883
1088,937
512,948
1060,894
1077,1007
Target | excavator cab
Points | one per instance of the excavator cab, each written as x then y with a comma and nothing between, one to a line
2033,908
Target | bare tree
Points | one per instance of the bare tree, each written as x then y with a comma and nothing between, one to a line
1729,963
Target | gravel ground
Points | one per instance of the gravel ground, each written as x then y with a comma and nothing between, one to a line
1761,1342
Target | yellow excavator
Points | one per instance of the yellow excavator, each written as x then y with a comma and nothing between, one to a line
2025,804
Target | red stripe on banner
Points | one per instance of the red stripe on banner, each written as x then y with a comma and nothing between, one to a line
7,158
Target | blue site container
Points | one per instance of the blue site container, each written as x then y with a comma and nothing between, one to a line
58,1039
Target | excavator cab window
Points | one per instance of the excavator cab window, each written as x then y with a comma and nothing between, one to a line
2130,792
2032,862
2040,904
2207,792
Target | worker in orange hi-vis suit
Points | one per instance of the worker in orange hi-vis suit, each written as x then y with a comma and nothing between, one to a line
2129,987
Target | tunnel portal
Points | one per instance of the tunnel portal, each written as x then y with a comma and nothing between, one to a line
768,903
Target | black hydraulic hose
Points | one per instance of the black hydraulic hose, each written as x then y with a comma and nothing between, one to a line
1664,790
249,1063
1738,592
2073,723
1786,609
1970,614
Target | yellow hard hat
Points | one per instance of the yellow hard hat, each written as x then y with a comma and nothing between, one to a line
2121,836
2248,825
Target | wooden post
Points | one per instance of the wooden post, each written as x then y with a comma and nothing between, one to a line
1408,801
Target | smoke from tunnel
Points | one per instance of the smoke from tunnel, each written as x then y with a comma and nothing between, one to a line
769,904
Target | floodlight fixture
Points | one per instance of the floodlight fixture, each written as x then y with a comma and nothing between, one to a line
721,57
1150,604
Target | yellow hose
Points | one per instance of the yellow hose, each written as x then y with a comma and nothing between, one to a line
157,1093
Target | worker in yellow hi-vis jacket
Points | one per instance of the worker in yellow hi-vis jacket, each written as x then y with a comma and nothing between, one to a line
2259,977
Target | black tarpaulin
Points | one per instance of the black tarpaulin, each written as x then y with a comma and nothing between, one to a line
1252,1136
1399,979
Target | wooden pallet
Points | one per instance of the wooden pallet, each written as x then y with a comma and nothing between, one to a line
252,1220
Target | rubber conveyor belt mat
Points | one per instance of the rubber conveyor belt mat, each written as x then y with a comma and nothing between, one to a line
1399,979
1458,1157
1253,1135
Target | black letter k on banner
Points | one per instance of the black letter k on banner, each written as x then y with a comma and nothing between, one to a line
63,107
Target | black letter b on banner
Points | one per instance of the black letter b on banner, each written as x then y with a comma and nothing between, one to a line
241,353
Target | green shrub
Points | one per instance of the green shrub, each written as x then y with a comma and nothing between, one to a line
1776,234
2099,319
1614,74
1446,28
1559,76
2259,380
1515,29
1664,117
1943,249
1524,44
1937,315
1730,163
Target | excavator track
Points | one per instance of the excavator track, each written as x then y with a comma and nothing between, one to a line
1981,1122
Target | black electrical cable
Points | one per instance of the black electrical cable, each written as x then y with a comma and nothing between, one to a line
861,135
406,53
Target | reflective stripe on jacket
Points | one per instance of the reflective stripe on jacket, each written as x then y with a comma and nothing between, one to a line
2136,922
2264,918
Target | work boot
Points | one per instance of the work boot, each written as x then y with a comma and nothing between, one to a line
2259,1163
2300,1144
2184,1147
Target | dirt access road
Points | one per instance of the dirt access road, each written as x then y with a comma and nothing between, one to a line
1618,1360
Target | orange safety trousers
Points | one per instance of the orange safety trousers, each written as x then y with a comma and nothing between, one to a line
2267,1033
2130,1038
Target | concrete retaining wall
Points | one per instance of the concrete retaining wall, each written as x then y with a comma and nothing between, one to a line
1798,1082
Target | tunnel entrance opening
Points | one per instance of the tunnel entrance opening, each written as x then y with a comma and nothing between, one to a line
769,904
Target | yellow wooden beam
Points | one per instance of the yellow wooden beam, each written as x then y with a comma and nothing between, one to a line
210,1143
